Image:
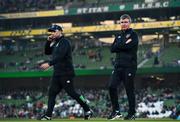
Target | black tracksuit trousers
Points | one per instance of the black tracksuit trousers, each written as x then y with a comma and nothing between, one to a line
57,84
125,75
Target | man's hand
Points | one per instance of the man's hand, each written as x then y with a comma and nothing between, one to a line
128,41
44,66
50,38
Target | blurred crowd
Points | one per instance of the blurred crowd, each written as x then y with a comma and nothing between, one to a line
150,104
8,6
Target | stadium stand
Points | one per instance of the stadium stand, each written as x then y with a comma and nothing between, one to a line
93,57
10,6
165,57
28,59
151,103
22,50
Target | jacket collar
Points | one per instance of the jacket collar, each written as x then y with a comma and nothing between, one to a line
58,39
126,31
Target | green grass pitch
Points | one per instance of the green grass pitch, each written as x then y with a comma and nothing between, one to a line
91,120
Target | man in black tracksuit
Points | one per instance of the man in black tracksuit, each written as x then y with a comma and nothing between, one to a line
125,46
63,74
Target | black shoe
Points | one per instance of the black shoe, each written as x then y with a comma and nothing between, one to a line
114,115
44,117
88,115
130,117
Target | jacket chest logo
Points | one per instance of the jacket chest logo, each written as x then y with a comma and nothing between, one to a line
128,35
119,37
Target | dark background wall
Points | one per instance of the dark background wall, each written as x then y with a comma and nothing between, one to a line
93,81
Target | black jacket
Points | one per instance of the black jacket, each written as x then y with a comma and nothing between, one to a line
125,46
61,57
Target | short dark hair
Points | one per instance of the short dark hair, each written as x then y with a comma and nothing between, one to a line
125,16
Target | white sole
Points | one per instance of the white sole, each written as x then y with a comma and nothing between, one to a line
117,117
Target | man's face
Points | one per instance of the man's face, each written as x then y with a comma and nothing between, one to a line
56,34
125,24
